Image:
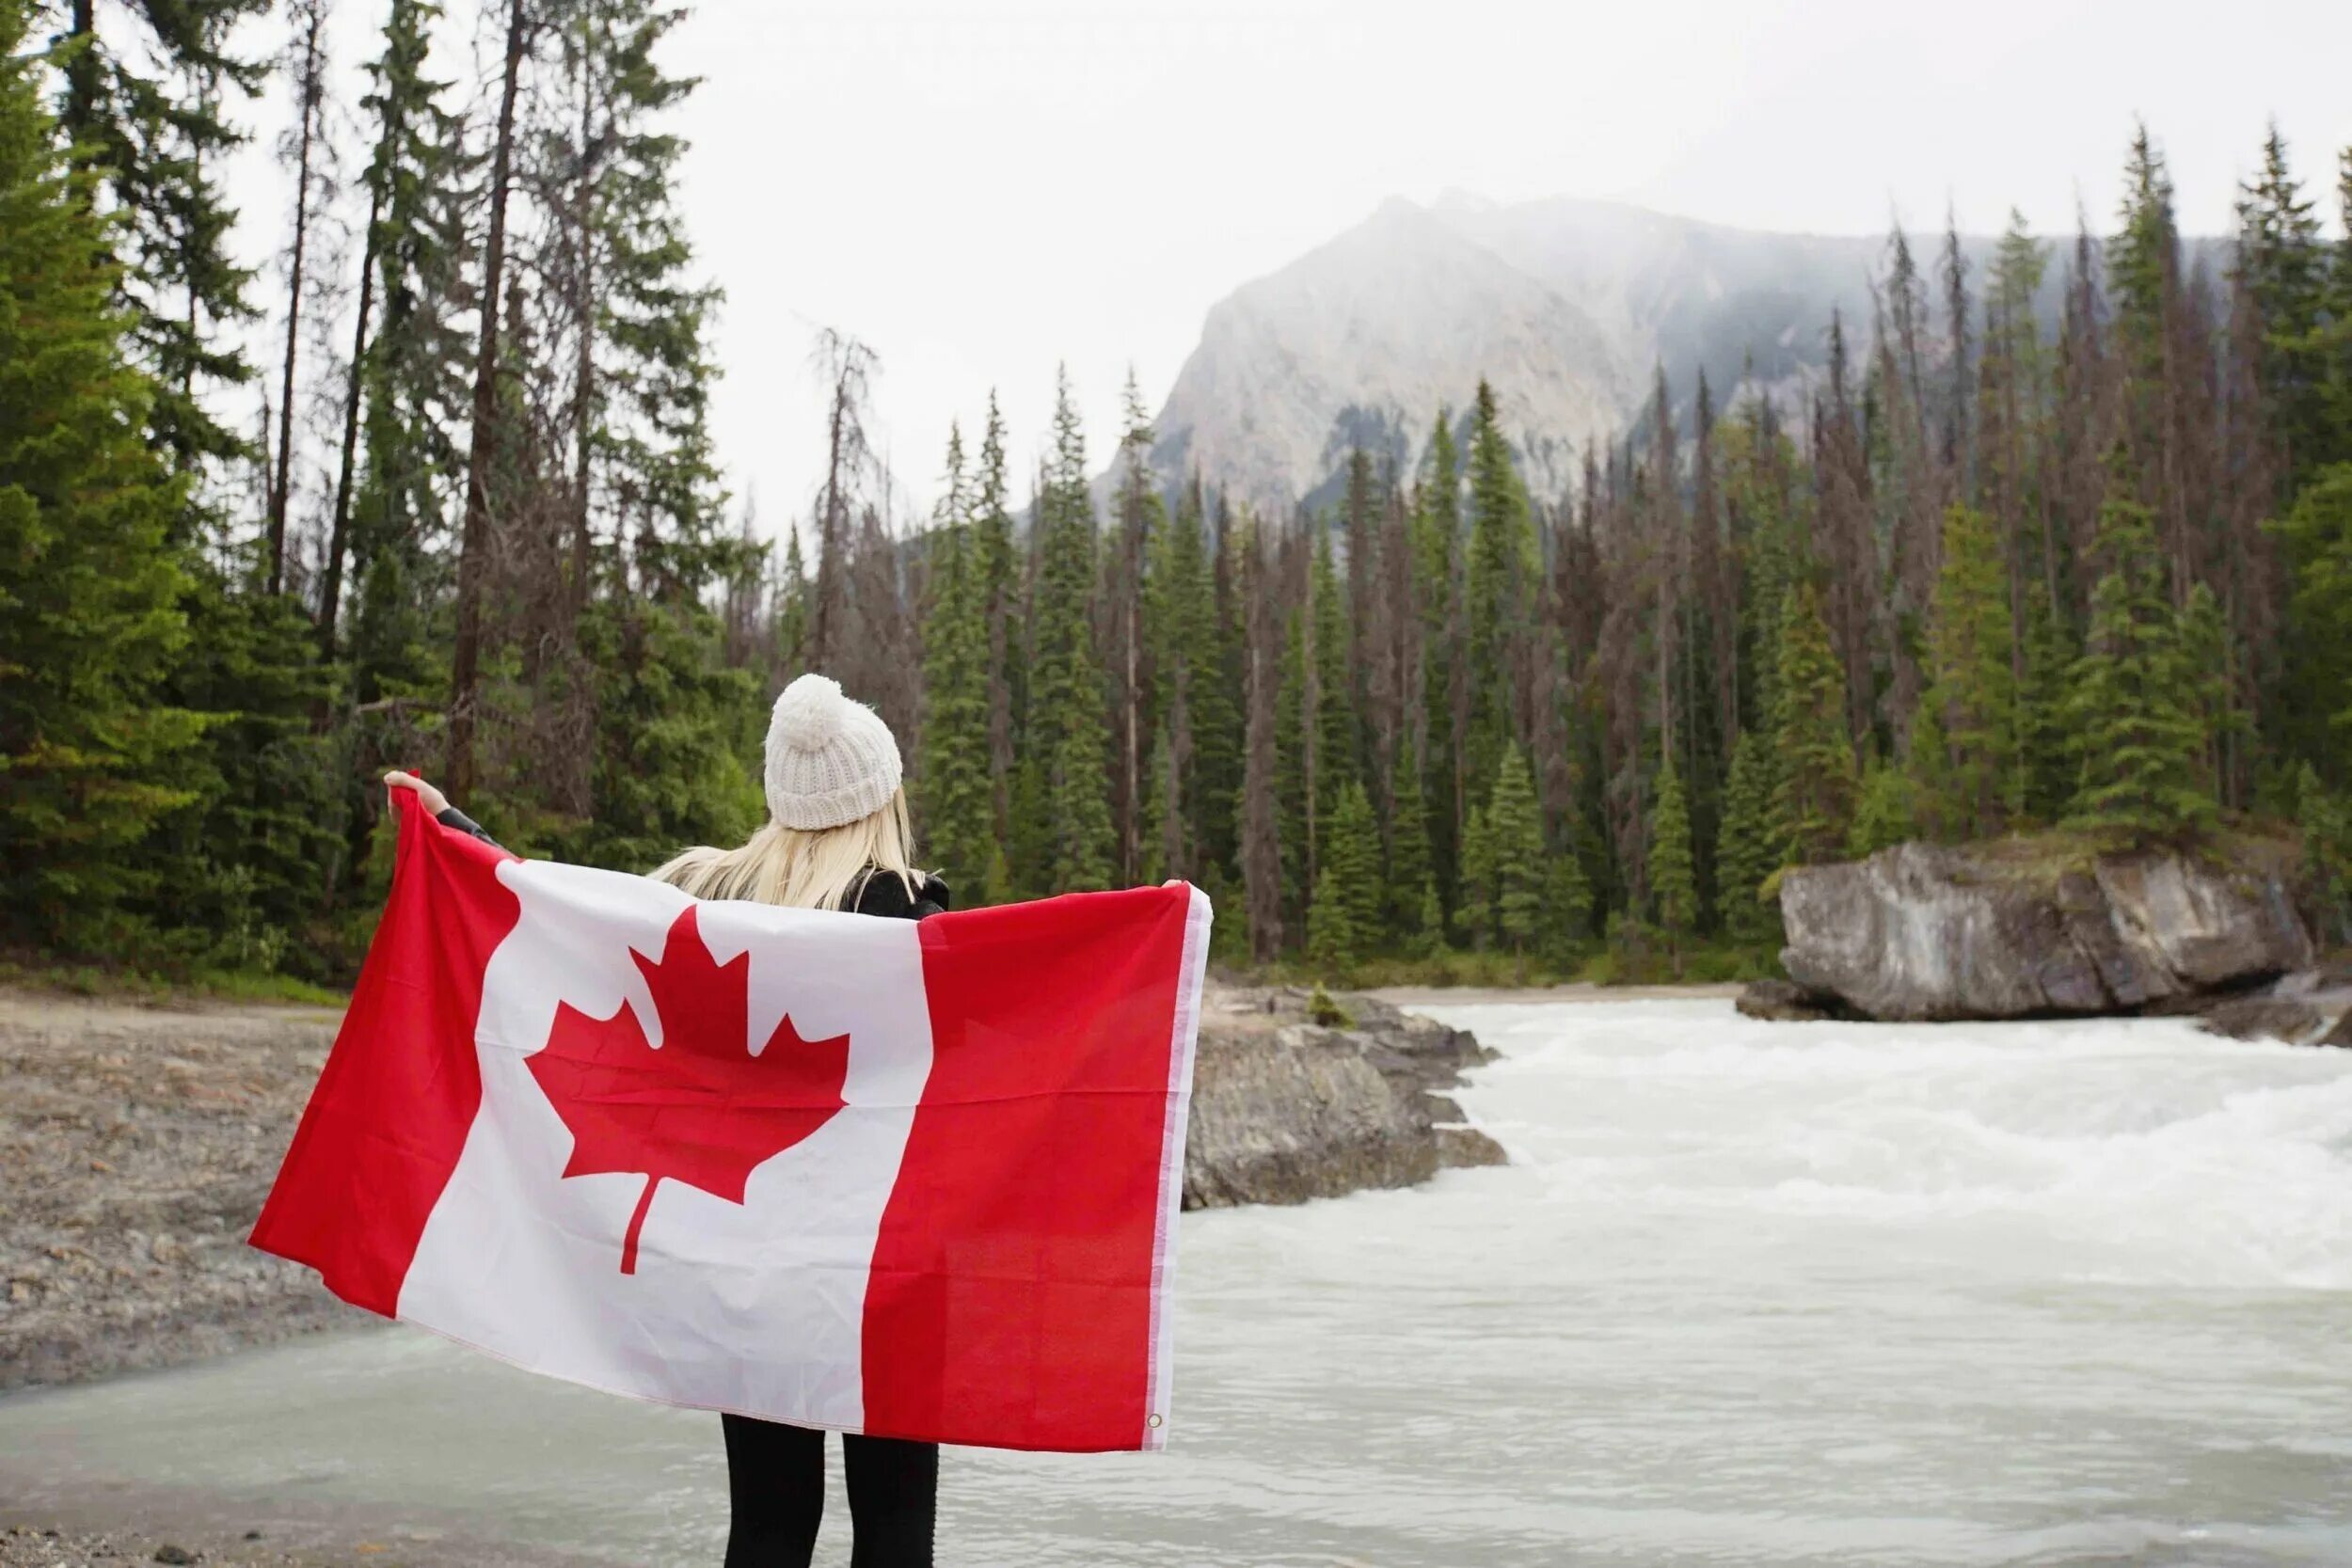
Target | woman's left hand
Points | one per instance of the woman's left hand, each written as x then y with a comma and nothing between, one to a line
432,800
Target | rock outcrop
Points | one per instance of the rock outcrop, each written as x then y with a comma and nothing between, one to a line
1285,1109
1924,932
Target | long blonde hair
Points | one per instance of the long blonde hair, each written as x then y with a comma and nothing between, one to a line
819,868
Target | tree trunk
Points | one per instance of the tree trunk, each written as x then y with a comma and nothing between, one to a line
584,370
475,541
339,534
306,93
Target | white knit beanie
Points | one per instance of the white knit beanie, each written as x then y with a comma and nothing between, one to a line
830,760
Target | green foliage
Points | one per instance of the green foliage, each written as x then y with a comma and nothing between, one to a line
1435,532
667,771
1412,877
957,794
2138,739
1322,1010
1813,762
1673,870
1351,859
148,101
1337,744
2316,536
1069,732
1751,848
1887,812
1513,855
1964,768
2284,268
1500,575
1475,909
243,874
1567,914
1428,927
2326,819
1332,940
90,592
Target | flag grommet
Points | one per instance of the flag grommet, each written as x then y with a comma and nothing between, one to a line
1154,1422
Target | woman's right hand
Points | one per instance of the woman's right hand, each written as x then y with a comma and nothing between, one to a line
432,800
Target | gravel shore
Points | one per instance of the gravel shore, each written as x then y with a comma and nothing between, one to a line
140,1142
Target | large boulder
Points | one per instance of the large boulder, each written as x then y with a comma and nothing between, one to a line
1285,1108
2015,929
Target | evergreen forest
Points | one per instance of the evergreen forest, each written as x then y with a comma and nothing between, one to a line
433,486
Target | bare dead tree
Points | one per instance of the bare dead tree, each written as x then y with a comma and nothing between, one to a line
846,369
304,146
475,538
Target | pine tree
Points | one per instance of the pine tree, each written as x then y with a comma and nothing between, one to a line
1567,914
90,590
1182,650
1673,881
147,90
1816,784
1351,861
1331,936
407,385
1501,571
1067,734
1514,852
1338,746
1475,909
1435,590
1964,762
1750,851
2325,817
2316,716
997,585
1410,873
1886,807
2136,739
1293,774
1428,927
1139,519
955,795
1259,828
2283,266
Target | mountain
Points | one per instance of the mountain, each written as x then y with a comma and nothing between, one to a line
1568,306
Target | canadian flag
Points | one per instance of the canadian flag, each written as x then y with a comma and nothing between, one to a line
916,1180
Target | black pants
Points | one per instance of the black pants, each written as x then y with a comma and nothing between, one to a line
776,1490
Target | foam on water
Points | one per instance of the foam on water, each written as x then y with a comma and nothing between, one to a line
1753,1296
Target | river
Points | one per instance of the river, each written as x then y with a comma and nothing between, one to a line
1750,1296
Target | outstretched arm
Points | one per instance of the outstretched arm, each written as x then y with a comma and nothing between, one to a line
433,801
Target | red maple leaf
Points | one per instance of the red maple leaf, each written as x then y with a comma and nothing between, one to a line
701,1109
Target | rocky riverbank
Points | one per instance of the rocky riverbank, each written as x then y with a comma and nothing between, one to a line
1286,1108
2041,928
140,1142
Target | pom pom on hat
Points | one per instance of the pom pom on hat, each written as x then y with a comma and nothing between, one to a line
808,714
831,760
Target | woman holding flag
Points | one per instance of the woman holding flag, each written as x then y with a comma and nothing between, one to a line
837,838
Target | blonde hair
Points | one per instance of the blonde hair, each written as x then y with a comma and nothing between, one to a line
819,868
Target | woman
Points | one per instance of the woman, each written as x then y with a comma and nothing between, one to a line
836,838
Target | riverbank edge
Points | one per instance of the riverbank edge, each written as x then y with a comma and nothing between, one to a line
146,1133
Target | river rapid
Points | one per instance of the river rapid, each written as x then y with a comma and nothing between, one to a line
1750,1296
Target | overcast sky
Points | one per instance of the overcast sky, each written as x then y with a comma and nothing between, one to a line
980,189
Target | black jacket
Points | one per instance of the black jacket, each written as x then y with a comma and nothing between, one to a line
880,893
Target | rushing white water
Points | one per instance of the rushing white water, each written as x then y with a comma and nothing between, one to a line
1786,1295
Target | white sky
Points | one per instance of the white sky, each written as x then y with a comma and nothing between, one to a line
980,189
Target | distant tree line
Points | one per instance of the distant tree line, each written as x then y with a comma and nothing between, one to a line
1992,577
469,520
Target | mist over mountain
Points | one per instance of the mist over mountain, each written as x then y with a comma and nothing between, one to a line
1569,306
